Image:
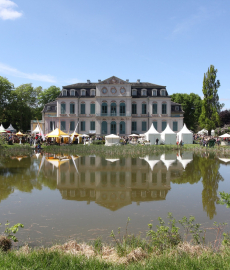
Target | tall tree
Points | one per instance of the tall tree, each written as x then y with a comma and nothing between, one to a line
191,105
6,88
48,95
211,106
224,117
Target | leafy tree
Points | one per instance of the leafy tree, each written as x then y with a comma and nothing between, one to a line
224,117
191,105
5,96
211,107
48,95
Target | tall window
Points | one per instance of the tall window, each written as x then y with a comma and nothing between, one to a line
122,109
63,127
92,108
104,127
52,125
92,92
155,124
144,92
82,125
72,108
154,92
144,126
164,124
72,92
134,126
164,108
113,109
163,92
92,125
134,108
134,92
104,108
64,92
63,108
113,127
122,127
144,109
83,92
72,125
82,108
175,126
154,108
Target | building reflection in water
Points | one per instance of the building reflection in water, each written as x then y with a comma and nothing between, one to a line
114,183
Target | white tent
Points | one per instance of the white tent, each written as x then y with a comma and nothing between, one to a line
112,159
10,128
185,135
152,161
184,161
226,135
112,140
168,160
2,129
37,129
226,160
203,131
168,136
152,134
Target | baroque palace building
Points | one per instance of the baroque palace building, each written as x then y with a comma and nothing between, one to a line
112,106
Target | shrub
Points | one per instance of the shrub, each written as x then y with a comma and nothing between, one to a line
5,243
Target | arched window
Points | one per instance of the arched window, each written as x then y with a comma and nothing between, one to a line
164,108
113,109
113,127
104,109
64,92
63,108
122,127
154,108
154,92
144,92
163,92
134,92
83,92
72,92
92,92
122,109
104,127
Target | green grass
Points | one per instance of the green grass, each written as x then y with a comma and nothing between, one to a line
42,259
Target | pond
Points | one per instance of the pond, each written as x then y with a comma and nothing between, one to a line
84,197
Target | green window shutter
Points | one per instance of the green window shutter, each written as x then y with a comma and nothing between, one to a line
72,125
164,108
175,126
72,108
143,108
51,125
144,126
164,124
92,125
104,127
82,108
154,108
92,108
63,127
104,108
155,124
134,126
134,108
82,125
63,110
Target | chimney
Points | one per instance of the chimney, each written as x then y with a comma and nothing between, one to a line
88,81
127,80
99,81
139,81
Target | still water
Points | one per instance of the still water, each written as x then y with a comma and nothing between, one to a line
58,198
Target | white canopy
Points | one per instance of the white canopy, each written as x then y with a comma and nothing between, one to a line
83,135
37,129
10,128
203,131
226,160
112,159
151,161
226,135
112,139
168,161
168,136
184,162
185,135
133,135
2,129
152,134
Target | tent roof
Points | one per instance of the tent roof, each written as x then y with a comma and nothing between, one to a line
152,130
2,128
168,130
112,159
10,128
37,129
133,135
185,130
226,160
56,133
167,163
226,135
112,136
184,162
151,163
57,162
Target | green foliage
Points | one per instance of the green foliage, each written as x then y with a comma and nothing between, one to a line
191,105
48,95
224,199
211,107
11,231
98,142
6,88
165,236
97,244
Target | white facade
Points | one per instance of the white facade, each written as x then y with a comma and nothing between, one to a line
112,106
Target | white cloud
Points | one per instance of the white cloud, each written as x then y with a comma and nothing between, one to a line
7,11
33,76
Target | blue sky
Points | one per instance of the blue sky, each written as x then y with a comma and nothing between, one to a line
169,43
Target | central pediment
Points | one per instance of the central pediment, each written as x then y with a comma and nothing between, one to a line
114,80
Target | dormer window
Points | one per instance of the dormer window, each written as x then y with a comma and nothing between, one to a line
83,92
163,92
144,92
177,108
134,92
64,92
48,108
154,92
92,92
72,92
